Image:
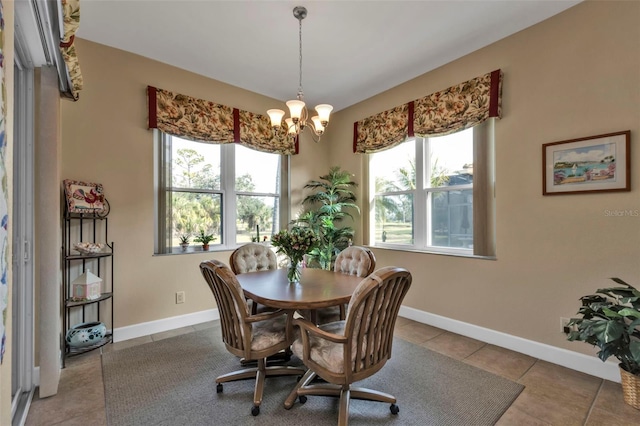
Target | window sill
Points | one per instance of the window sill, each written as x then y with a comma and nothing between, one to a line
434,252
193,250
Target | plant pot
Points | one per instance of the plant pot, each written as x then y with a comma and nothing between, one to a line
184,246
205,247
630,388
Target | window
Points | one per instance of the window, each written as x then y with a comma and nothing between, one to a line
227,190
423,194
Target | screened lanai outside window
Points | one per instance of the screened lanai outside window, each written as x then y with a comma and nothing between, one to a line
225,190
424,194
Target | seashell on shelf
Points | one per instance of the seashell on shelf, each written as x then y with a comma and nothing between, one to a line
88,248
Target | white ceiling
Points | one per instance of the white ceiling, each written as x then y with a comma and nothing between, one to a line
351,50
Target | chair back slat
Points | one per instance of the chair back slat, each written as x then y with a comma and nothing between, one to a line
371,318
232,305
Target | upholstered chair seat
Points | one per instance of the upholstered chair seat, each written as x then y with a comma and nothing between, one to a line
326,353
266,334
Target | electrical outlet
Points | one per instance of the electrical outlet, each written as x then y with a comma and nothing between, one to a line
180,297
564,325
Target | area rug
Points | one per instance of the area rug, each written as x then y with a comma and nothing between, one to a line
172,382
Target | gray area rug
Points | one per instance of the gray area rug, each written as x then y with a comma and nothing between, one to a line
172,382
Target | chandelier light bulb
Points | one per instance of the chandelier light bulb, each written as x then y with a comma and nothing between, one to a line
323,112
291,127
317,124
295,109
276,117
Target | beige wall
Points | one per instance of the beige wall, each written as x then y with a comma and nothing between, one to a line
574,75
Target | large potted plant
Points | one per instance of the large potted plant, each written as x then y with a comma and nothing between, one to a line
332,199
611,320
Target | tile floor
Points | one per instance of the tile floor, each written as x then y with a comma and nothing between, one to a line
553,395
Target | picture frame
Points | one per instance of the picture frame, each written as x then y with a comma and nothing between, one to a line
599,163
84,197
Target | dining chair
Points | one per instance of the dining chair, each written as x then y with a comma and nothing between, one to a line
345,352
253,257
253,337
353,260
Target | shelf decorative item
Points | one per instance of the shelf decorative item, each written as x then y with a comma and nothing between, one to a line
86,287
85,334
89,248
84,197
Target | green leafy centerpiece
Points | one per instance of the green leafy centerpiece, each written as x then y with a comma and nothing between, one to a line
294,244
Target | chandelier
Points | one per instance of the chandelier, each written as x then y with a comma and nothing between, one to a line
299,119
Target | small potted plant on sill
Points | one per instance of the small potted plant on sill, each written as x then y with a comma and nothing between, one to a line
184,241
204,238
611,320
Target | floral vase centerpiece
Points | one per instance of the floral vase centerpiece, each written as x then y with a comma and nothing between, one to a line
294,244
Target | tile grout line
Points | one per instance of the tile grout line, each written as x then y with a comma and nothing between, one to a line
593,403
527,370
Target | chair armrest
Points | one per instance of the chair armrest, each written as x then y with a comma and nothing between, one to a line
263,316
317,331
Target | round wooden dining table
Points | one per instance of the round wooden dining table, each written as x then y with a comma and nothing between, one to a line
317,288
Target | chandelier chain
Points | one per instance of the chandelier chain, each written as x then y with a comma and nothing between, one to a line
300,94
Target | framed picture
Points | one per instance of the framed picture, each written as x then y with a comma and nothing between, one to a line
592,164
84,197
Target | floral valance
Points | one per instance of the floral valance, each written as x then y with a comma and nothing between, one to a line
201,120
381,131
456,108
71,22
256,132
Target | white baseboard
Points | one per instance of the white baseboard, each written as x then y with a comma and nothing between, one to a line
165,324
573,360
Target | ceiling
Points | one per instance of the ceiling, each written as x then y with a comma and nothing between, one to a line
351,50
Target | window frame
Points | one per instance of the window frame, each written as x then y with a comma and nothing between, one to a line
483,211
228,212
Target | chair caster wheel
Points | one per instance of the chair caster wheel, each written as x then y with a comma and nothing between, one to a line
302,399
219,388
394,409
255,410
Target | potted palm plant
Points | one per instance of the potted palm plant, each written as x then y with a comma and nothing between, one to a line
204,238
330,202
610,319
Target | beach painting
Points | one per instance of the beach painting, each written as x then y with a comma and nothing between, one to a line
597,163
